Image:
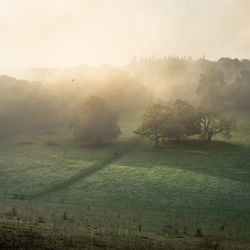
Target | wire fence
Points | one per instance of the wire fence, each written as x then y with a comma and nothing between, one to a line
223,224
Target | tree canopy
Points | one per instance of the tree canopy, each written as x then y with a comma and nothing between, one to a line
214,123
180,119
153,123
175,120
95,123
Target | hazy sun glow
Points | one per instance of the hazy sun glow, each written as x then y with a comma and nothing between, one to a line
58,33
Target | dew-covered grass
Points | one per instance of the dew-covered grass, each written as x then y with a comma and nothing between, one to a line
192,174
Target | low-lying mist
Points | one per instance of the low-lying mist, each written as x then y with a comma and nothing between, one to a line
46,97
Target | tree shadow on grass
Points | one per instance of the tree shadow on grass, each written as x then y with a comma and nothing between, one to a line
123,148
216,159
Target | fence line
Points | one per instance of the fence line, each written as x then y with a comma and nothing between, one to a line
169,211
16,196
239,229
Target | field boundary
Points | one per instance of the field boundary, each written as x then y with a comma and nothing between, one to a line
180,210
239,233
19,196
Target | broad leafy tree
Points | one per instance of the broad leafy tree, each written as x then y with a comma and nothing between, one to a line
213,122
173,121
180,120
95,123
153,123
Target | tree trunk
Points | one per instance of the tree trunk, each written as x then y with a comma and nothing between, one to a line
209,137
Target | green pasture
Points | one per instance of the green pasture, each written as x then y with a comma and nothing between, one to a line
191,174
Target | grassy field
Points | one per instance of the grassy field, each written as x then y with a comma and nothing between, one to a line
175,188
42,225
191,174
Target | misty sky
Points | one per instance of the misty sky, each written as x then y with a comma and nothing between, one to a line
74,32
